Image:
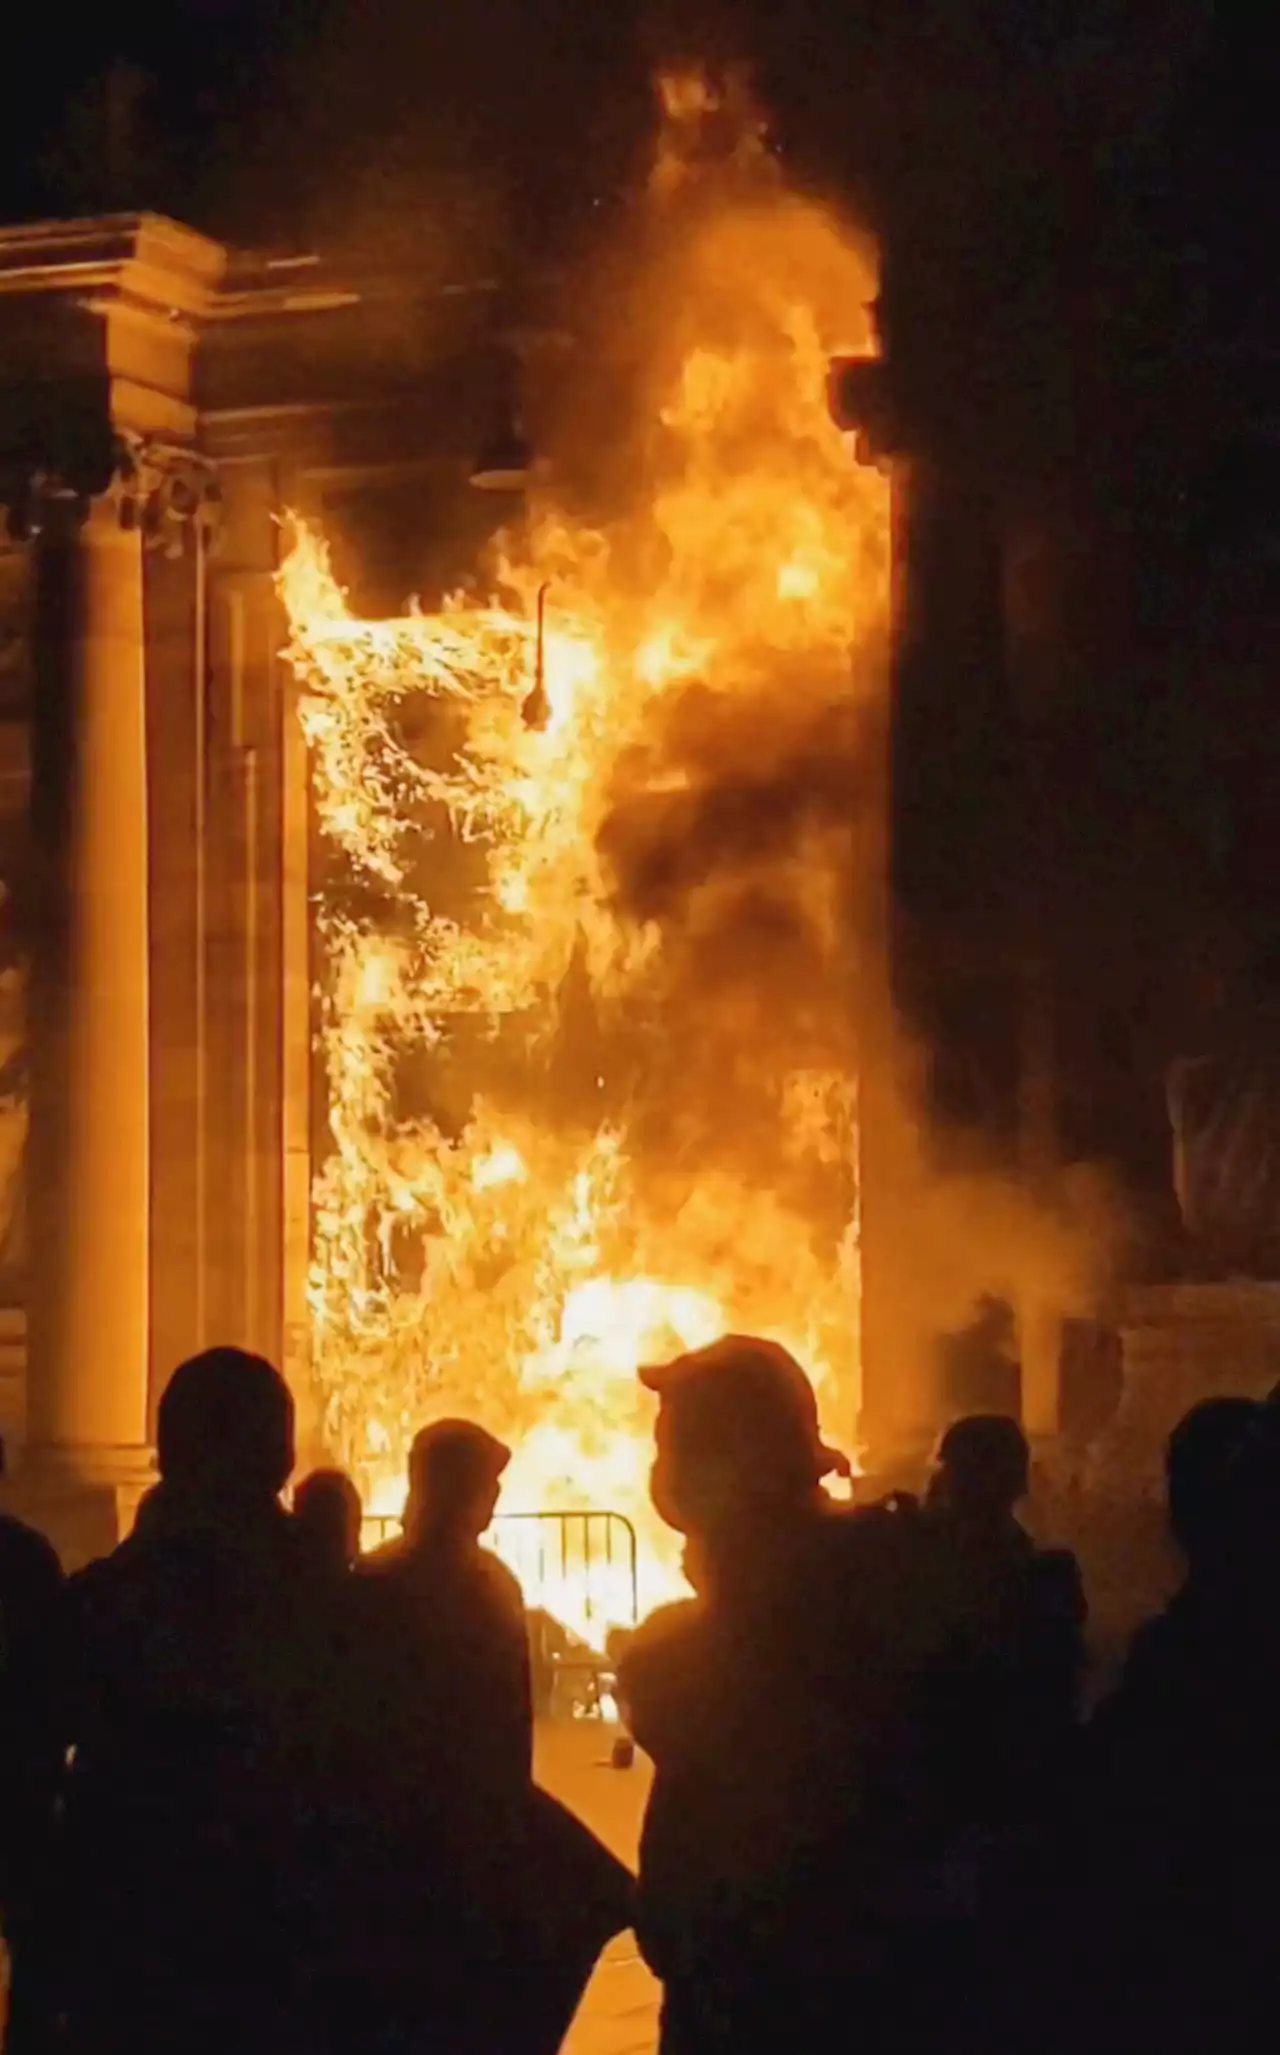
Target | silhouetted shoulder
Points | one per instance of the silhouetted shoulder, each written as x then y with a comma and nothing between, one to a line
1059,1584
377,1561
664,1631
90,1593
27,1546
29,1566
1166,1665
502,1584
657,1670
894,1579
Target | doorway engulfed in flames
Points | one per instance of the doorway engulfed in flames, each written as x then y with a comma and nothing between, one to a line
589,986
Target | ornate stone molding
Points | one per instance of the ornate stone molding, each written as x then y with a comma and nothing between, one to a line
167,491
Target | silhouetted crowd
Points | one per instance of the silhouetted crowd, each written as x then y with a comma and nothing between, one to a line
263,1793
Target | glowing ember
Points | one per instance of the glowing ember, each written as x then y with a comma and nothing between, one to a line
632,929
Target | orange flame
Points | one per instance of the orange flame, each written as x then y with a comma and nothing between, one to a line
520,1264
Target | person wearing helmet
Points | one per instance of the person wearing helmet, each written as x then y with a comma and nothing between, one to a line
776,1708
737,1434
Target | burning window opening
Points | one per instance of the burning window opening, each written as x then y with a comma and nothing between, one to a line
589,986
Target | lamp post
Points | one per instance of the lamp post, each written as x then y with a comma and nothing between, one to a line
507,463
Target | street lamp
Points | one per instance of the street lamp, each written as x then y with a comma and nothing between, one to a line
536,710
506,463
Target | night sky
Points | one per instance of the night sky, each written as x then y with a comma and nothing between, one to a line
239,113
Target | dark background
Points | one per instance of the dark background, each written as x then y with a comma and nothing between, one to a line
232,112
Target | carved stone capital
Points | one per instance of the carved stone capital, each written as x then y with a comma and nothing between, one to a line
167,491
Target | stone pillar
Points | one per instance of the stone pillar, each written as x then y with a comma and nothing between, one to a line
99,458
899,1409
1039,1319
182,825
88,1326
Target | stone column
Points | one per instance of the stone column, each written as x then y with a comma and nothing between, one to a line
87,1382
899,1397
99,457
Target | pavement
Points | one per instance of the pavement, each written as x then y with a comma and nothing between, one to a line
619,2013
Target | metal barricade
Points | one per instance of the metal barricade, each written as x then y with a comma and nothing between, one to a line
579,1575
581,1567
376,1529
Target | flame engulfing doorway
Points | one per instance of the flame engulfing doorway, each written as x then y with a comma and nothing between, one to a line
593,954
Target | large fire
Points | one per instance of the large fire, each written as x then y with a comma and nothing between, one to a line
590,919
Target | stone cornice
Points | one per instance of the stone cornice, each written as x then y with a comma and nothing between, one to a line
131,330
106,312
157,265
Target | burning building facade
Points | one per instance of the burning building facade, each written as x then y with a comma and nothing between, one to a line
459,1002
459,939
596,898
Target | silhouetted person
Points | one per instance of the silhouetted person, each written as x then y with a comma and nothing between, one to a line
497,1958
457,1609
328,1516
1170,1850
1024,1613
30,1587
197,1673
781,1709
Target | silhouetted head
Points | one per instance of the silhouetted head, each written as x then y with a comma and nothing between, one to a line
981,1468
327,1514
1203,1471
225,1426
455,1474
144,1519
737,1432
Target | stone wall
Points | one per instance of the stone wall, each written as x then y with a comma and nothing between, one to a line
1181,1343
1184,1342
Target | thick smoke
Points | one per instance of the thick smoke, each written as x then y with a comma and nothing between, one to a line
641,954
748,832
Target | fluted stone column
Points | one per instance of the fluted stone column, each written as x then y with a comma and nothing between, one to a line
99,459
88,1323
